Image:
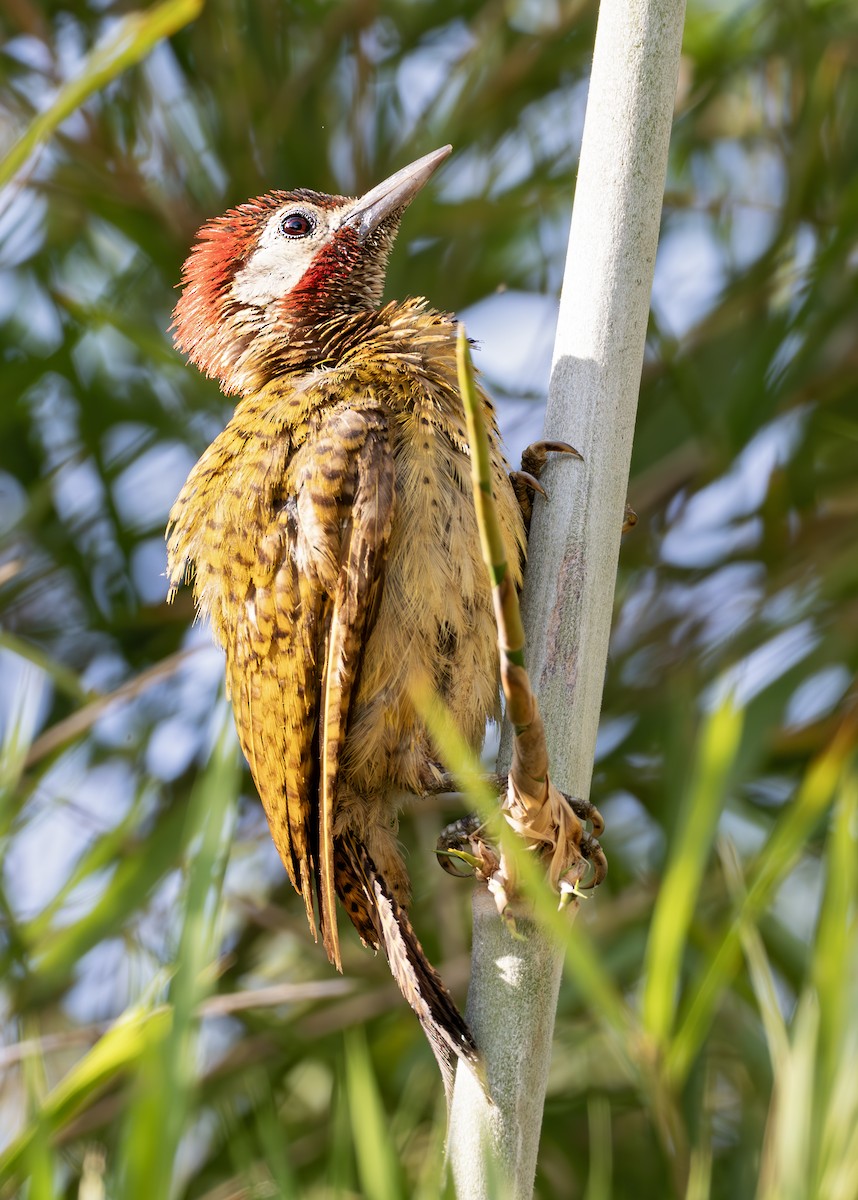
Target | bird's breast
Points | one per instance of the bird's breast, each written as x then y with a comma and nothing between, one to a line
435,621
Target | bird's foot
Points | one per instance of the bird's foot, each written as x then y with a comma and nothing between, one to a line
526,481
468,847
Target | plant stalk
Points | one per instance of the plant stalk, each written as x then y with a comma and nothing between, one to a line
572,561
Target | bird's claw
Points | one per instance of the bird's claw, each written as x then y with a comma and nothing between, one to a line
526,481
586,810
455,845
536,454
595,856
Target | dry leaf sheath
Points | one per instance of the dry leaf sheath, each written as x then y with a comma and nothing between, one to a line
539,813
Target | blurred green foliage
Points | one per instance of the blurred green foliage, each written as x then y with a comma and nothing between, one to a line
168,1027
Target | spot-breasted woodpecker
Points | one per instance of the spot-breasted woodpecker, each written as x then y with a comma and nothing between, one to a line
335,550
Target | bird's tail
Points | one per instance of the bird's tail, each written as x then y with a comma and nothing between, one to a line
383,923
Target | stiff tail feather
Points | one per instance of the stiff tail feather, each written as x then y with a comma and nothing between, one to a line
383,924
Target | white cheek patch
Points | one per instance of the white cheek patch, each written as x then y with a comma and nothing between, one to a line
278,261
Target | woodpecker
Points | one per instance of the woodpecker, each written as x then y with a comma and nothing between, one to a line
331,532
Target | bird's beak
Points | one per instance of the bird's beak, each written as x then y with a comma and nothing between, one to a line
395,194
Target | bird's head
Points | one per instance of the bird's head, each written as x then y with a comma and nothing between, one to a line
262,275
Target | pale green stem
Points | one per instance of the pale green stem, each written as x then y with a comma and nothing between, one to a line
574,546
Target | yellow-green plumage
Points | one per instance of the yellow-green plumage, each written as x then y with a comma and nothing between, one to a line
332,531
267,515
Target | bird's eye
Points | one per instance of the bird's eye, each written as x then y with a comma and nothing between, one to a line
297,224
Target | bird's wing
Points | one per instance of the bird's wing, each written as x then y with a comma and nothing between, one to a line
296,650
272,655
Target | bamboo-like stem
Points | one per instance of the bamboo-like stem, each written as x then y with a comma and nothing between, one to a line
574,547
541,817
